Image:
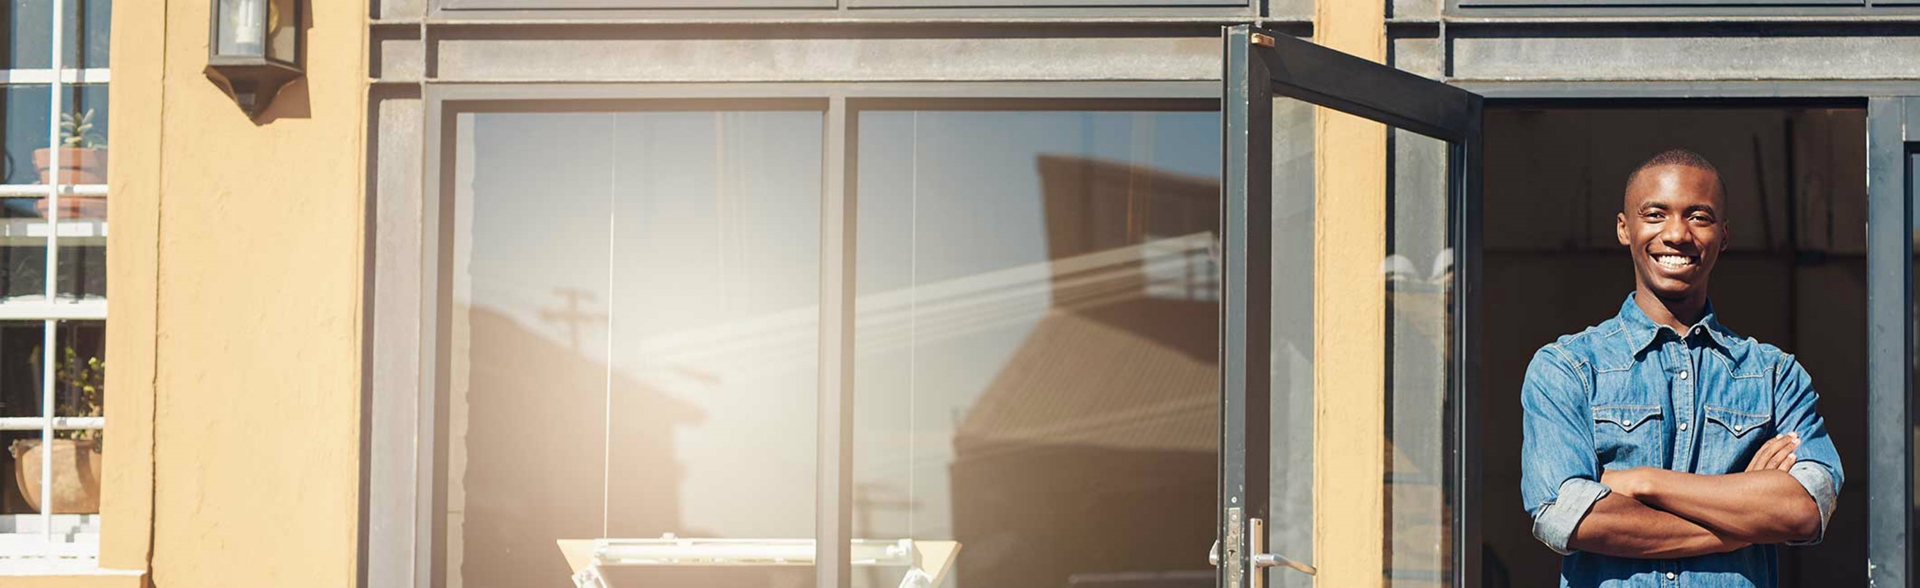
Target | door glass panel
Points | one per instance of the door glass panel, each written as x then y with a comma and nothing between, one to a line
633,340
1290,469
1419,275
1036,344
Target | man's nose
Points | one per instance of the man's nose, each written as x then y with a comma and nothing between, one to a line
1675,233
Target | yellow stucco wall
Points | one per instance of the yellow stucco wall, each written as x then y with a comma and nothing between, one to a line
234,311
1349,302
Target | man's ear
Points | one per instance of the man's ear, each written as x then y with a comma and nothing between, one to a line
1726,235
1620,229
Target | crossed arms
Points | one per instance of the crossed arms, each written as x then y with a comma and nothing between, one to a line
1662,514
1785,494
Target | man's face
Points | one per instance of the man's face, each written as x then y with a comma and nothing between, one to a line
1674,226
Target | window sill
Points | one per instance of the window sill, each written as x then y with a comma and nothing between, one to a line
23,574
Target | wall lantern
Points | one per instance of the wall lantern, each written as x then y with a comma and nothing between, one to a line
254,49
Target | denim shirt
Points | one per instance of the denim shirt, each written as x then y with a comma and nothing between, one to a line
1630,393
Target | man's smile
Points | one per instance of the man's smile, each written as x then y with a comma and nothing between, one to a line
1675,261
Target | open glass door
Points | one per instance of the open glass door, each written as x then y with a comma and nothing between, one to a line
1427,492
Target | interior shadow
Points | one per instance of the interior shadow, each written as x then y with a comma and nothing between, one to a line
1793,276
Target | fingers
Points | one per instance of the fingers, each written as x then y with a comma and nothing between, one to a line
1784,461
1768,457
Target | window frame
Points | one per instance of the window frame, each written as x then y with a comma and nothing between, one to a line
51,311
1893,133
833,512
1784,11
929,11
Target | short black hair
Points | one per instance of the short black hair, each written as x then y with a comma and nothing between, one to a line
1680,157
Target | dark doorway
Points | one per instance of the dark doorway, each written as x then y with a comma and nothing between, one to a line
1795,276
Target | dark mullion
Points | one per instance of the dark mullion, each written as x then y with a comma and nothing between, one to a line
833,493
1889,345
1246,240
1464,400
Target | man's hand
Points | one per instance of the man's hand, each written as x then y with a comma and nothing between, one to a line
1776,454
1629,483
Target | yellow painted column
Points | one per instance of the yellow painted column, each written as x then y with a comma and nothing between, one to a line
133,183
1349,317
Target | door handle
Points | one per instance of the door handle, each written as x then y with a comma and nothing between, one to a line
1257,543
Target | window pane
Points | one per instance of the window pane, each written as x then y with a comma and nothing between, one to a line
1290,410
21,345
1036,343
25,109
79,362
634,338
76,458
83,131
86,36
23,262
82,268
27,134
1419,274
29,36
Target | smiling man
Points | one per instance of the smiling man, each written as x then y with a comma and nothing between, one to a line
1661,448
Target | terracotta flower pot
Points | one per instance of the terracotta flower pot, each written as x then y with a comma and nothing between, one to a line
77,165
76,207
76,474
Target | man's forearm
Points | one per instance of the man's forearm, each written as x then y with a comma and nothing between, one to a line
1757,507
1624,527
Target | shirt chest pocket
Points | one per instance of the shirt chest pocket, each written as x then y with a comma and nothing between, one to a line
1732,437
1627,435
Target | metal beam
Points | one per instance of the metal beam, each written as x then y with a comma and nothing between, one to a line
833,490
1246,224
1889,346
1336,80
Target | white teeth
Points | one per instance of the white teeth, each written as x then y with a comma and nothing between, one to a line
1673,261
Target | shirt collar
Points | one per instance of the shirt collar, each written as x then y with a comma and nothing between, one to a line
1642,332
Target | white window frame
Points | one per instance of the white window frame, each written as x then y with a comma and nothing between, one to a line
50,553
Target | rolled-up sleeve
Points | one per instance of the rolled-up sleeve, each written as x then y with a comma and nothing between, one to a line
1817,464
1559,479
1556,520
1824,488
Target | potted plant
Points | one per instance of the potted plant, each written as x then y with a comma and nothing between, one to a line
83,160
77,455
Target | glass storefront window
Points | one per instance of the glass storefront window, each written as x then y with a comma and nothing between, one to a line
1036,373
635,338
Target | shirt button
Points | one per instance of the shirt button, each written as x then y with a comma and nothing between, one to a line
1683,426
1683,374
1671,575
